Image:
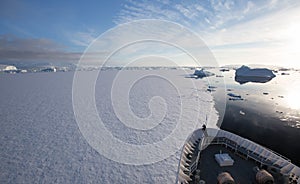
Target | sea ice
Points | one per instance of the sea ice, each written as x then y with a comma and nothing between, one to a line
41,142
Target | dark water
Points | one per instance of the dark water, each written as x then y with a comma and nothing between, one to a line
269,113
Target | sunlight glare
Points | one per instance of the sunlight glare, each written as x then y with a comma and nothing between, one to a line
293,99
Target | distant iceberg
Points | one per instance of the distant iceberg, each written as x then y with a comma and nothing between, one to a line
245,74
200,73
8,68
49,69
224,70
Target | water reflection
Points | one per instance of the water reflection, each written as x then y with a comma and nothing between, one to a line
293,99
270,113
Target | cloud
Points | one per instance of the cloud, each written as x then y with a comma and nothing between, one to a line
220,14
12,42
17,49
271,39
222,5
188,12
269,28
83,39
235,30
249,7
133,10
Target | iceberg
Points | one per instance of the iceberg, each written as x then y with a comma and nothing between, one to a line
245,74
49,69
200,73
8,68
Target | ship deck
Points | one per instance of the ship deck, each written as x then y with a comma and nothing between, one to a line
241,171
245,153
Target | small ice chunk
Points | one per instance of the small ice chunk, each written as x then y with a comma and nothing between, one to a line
234,95
242,112
224,70
285,73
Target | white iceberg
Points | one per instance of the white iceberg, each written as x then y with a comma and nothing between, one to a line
242,112
200,73
8,68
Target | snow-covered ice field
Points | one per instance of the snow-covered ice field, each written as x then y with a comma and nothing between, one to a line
40,140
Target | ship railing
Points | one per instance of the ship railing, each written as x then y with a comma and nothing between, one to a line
248,148
193,167
247,152
227,142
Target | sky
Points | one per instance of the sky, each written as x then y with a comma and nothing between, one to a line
236,31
